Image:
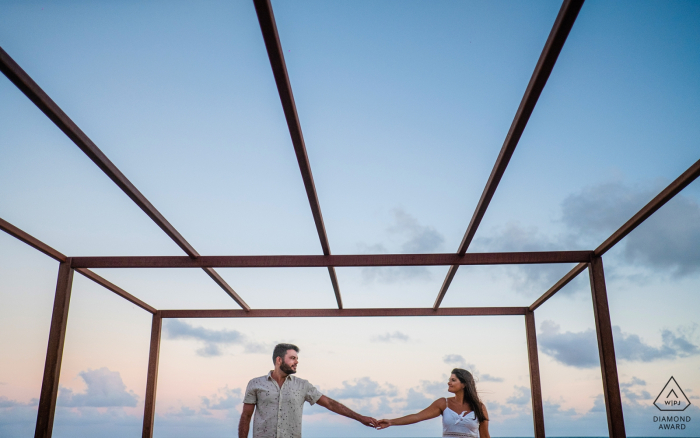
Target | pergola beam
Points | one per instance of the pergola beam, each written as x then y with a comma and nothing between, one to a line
535,381
54,352
268,26
319,261
149,405
116,289
659,201
56,255
685,179
31,241
31,89
555,42
606,350
333,313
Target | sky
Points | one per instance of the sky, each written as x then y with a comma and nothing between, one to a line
404,107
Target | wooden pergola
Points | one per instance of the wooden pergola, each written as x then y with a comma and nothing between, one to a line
585,259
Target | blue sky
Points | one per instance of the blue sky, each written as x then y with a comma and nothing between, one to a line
404,107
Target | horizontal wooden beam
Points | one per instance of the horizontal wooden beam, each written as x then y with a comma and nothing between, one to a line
321,261
332,313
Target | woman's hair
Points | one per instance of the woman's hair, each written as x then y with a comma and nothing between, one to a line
470,394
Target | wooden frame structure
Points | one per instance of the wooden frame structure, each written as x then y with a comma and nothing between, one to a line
585,259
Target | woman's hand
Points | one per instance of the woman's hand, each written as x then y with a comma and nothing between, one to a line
383,424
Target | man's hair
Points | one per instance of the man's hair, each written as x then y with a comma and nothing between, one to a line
281,351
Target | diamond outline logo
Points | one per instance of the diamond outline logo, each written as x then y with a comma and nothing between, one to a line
672,390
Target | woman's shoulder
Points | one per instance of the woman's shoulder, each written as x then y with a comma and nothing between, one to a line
441,403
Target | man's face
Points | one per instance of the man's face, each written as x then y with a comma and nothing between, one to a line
290,361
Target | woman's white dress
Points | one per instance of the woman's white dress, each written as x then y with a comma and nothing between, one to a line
459,425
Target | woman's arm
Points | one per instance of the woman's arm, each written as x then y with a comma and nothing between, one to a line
432,411
484,425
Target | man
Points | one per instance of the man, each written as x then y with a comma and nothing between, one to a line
278,400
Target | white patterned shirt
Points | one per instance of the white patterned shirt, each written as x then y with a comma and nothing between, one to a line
278,411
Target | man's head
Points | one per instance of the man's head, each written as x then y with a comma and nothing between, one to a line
285,357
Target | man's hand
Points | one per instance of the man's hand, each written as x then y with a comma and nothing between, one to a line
368,421
343,410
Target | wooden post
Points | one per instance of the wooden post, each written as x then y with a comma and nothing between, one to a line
606,349
535,386
54,352
149,409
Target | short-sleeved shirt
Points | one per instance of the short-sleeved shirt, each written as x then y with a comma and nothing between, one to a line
278,411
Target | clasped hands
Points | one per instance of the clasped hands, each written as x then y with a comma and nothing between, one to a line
377,424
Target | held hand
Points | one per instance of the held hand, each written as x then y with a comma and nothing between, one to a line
383,424
368,421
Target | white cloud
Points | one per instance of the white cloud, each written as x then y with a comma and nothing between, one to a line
105,388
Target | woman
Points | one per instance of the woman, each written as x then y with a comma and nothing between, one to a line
462,415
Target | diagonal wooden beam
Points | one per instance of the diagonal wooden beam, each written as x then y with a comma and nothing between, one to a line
555,42
116,289
31,241
268,26
566,279
31,89
687,177
659,201
56,255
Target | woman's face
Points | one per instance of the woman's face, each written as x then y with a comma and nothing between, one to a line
454,385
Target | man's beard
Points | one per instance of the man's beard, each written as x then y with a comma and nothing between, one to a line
287,369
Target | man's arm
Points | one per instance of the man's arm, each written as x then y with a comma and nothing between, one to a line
244,423
343,410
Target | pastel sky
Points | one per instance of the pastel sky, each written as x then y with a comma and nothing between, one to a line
404,106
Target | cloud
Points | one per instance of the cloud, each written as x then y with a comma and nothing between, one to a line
364,387
417,400
459,362
527,279
225,399
391,337
213,339
634,382
580,349
520,397
410,237
489,378
7,403
455,359
105,388
669,239
418,238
